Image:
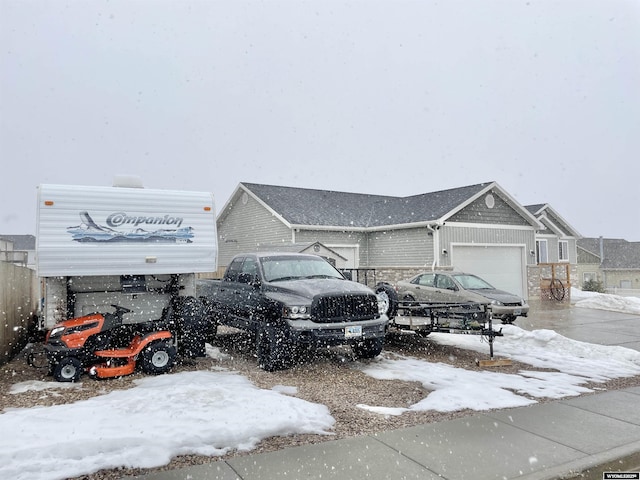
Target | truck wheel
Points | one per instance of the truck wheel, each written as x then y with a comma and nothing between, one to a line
388,295
157,358
210,315
368,348
272,349
68,369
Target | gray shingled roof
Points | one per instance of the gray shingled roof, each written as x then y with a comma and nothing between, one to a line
302,206
618,253
533,209
21,242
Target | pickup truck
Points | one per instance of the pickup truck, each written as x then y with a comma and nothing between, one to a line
293,301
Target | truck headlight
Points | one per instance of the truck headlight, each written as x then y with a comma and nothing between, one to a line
56,331
297,312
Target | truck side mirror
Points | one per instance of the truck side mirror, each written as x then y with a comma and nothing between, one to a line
249,279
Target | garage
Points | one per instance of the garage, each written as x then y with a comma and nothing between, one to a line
501,265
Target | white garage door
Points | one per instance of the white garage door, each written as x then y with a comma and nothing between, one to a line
501,266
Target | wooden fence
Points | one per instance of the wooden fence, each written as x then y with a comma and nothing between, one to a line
18,305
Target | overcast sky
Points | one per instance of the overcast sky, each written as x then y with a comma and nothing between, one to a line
383,97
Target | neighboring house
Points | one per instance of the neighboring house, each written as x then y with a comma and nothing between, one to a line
478,228
18,249
556,247
614,262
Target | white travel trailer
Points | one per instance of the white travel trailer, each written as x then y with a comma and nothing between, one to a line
137,248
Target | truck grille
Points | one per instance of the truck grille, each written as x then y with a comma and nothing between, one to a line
344,308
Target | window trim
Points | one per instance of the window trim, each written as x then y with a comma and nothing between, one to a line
563,250
539,251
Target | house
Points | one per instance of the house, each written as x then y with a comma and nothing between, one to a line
614,262
478,228
18,249
556,247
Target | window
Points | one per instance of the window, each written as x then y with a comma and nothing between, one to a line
233,270
442,281
589,277
426,280
541,251
563,251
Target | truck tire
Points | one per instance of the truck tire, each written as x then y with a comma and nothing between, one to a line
271,346
211,316
68,369
387,294
369,348
157,358
193,326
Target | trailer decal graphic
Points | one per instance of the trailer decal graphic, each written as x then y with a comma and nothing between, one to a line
90,231
121,218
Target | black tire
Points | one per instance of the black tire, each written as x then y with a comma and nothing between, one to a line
508,320
388,294
272,349
211,318
157,358
369,348
193,326
68,369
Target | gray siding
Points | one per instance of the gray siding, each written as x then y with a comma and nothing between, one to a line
488,236
478,212
245,227
412,247
587,257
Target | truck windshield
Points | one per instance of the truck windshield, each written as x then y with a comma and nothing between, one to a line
283,268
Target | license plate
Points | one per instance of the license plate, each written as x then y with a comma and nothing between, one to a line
353,331
517,311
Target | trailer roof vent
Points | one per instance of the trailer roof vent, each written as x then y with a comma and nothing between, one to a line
127,181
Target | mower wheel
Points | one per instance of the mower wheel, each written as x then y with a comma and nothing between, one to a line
68,369
157,358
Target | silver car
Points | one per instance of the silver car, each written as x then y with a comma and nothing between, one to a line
458,287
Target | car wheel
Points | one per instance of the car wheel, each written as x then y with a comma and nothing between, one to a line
272,349
508,320
388,295
68,369
369,348
157,358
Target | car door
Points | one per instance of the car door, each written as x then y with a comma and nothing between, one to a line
422,288
445,290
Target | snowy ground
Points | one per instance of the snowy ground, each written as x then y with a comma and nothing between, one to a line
601,301
205,412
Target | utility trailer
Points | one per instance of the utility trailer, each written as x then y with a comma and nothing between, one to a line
423,318
100,249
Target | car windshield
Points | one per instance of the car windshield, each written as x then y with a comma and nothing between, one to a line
288,268
471,282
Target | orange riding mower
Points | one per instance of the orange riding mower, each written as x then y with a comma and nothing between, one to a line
103,346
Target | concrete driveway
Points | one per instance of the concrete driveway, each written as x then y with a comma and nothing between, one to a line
584,324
